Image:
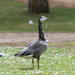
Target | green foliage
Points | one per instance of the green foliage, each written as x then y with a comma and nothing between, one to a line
14,18
52,62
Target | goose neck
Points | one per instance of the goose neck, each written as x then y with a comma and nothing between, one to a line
41,33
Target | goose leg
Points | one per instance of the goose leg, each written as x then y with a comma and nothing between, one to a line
33,62
38,62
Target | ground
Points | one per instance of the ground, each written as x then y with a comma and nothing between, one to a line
59,59
28,37
53,3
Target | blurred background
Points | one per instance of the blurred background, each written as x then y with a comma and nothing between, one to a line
19,18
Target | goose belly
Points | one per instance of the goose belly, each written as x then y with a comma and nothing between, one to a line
28,56
39,52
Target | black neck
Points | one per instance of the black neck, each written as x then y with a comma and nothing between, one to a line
41,33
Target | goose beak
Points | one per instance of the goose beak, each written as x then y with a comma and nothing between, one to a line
47,18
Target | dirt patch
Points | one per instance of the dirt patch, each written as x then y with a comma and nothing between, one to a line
28,37
56,3
62,3
71,54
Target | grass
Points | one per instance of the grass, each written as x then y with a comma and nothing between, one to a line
52,62
14,18
59,59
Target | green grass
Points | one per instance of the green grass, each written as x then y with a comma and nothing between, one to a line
59,59
14,18
52,62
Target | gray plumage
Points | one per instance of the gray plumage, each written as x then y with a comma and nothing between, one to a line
35,49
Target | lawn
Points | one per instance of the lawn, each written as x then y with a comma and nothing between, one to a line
59,59
14,18
52,62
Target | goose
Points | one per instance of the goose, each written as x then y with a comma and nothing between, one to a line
35,49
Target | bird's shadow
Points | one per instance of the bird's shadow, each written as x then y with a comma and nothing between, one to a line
26,68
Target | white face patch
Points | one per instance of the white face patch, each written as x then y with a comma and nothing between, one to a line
43,18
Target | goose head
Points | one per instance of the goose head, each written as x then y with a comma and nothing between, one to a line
43,18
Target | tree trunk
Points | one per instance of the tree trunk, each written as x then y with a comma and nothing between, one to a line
38,6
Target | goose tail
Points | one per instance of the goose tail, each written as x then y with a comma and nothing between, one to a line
16,54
